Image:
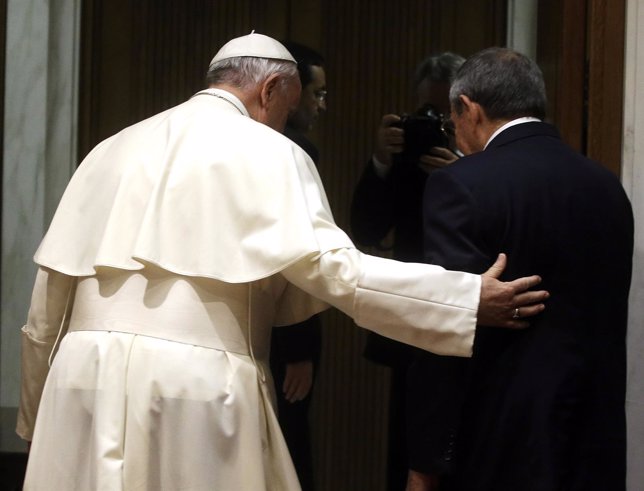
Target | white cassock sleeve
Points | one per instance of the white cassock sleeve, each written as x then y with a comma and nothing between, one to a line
418,304
51,297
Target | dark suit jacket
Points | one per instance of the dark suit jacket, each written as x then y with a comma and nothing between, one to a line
544,408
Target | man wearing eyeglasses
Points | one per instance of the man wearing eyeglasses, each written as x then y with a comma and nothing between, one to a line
295,349
310,67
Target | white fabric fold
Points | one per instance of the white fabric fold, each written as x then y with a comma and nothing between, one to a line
418,304
203,198
438,307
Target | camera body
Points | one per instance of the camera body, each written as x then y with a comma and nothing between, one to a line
422,131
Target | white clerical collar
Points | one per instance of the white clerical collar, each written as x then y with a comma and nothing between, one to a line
228,97
514,122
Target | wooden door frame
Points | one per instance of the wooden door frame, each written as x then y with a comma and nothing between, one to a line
580,48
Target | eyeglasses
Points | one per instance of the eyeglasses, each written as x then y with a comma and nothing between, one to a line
320,95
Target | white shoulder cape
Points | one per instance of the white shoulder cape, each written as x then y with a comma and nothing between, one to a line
199,190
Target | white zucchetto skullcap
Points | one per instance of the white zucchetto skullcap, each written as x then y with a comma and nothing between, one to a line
253,45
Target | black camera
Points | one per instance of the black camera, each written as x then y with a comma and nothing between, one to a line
423,131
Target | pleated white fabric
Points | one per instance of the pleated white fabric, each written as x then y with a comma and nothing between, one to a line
128,412
162,383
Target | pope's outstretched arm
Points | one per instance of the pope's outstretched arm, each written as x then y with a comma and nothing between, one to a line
418,304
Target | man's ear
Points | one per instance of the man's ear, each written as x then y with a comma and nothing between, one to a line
473,109
269,90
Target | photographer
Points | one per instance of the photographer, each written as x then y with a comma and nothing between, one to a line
387,207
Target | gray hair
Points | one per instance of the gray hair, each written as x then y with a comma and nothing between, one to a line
438,68
506,83
246,71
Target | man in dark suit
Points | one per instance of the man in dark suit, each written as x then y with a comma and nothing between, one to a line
544,408
295,349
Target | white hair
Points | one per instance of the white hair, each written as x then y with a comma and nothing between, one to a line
245,71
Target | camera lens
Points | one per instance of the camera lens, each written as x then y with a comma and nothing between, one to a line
447,127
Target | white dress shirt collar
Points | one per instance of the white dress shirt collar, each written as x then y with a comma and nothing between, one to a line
514,122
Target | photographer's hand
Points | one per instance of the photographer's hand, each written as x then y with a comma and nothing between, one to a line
389,139
439,157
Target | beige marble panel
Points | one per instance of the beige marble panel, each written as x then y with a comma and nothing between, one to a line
633,179
39,156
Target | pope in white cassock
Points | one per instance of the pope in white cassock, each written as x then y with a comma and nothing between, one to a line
178,244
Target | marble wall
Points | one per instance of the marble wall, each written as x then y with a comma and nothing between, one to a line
522,27
633,179
39,157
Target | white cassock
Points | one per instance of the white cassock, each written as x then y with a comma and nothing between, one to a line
178,244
